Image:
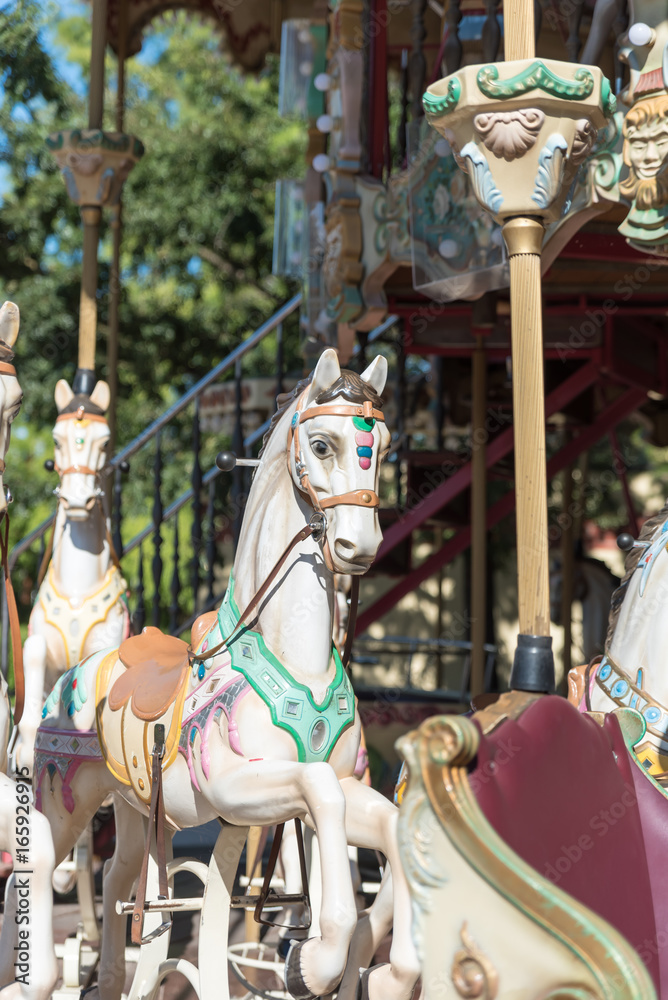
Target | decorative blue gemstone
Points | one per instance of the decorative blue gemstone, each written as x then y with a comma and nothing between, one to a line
201,671
605,671
619,689
70,709
44,713
652,713
364,451
295,419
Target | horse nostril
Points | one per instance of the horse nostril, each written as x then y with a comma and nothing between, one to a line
344,548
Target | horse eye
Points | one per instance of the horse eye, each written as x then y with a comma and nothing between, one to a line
319,448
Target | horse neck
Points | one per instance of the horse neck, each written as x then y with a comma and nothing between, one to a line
296,616
81,556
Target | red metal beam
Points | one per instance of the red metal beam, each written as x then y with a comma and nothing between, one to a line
609,247
497,449
608,418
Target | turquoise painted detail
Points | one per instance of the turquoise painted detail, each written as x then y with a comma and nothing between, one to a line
364,451
443,104
74,694
482,181
362,424
535,77
315,727
608,98
550,171
51,703
70,689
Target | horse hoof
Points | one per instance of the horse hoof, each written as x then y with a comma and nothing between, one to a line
294,980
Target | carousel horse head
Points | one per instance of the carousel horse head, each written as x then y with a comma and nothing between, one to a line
80,437
336,442
10,390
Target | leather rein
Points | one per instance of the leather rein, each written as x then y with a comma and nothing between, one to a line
14,628
317,525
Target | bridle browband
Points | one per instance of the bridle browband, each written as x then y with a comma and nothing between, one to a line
317,526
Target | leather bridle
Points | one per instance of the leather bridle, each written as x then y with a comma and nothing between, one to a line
79,414
317,525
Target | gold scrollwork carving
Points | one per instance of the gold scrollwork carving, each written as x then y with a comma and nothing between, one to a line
473,975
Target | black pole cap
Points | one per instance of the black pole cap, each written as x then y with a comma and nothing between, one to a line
533,665
84,382
625,541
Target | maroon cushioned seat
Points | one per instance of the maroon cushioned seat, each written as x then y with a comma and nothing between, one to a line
560,790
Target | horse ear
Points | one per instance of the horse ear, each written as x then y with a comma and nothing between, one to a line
101,396
9,323
63,394
376,374
326,373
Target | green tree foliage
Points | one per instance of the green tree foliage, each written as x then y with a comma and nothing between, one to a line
197,240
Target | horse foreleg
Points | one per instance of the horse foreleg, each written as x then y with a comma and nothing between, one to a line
34,665
119,875
262,793
27,954
371,822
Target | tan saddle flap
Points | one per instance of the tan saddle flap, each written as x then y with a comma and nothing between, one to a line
156,665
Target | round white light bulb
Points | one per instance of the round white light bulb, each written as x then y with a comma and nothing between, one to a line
448,248
321,162
324,123
442,147
323,81
641,34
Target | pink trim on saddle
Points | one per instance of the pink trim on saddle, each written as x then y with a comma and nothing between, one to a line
582,707
362,763
56,757
232,729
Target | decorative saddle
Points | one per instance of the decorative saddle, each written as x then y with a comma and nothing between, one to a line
145,683
156,665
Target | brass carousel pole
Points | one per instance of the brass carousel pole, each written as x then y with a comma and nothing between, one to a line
91,214
94,165
117,236
520,129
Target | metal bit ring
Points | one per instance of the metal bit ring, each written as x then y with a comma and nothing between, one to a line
318,522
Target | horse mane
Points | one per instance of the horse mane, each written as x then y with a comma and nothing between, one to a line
350,385
81,401
630,563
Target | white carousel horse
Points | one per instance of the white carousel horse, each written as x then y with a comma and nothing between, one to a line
260,719
632,671
28,967
80,607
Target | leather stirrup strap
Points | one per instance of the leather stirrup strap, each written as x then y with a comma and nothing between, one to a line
352,621
271,868
156,821
301,536
14,628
